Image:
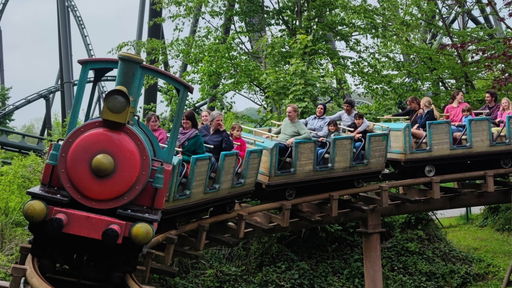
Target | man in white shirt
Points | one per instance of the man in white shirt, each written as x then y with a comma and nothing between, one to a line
346,116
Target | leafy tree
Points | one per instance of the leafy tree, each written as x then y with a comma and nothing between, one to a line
4,98
301,51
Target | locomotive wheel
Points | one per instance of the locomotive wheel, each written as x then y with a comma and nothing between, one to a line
429,170
290,193
506,163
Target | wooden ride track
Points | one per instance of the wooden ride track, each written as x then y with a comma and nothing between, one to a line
27,275
367,204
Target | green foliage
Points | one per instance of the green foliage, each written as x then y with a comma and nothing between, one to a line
15,179
415,254
418,255
498,217
491,247
303,52
4,98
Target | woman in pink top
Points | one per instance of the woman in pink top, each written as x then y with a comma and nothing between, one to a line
153,122
454,108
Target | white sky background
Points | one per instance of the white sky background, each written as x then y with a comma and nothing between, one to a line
31,51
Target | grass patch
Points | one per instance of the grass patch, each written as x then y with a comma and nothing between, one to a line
494,249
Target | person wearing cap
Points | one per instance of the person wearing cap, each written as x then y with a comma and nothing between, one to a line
317,124
346,116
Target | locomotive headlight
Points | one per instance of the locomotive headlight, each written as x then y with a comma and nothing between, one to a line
102,165
117,105
117,102
141,233
35,211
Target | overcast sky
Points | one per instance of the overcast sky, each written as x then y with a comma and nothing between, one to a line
30,44
29,30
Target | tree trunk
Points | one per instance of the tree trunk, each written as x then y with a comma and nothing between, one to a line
253,17
226,31
191,35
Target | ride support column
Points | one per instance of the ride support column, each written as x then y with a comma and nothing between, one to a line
371,228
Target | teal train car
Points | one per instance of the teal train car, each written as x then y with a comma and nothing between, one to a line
481,146
303,171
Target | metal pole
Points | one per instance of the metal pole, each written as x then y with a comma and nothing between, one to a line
65,58
140,21
154,32
2,79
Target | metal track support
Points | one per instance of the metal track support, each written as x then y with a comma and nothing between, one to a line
371,228
66,59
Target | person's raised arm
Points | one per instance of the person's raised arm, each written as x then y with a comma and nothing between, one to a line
336,116
363,126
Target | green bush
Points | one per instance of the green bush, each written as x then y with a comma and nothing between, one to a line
498,217
415,253
23,173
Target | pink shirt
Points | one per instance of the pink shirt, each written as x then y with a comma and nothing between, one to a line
240,148
161,135
503,116
455,113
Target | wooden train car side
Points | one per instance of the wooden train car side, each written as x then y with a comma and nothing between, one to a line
477,144
200,189
304,166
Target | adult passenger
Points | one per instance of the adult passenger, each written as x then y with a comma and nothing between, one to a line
346,116
189,140
215,135
413,106
455,106
428,112
491,105
153,123
317,124
291,130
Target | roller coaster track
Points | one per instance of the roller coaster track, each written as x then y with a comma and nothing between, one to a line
366,204
42,94
21,142
33,278
85,37
3,4
50,91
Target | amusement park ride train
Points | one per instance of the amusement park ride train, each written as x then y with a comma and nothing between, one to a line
108,186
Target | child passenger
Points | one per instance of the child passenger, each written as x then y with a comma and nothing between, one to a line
236,135
359,136
505,110
333,130
466,115
153,123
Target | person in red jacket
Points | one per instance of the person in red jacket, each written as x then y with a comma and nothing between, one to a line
236,135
